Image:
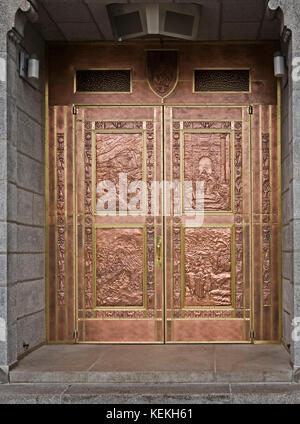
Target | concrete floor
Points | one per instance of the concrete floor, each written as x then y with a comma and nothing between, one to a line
154,364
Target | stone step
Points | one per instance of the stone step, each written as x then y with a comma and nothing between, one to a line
210,393
154,364
149,377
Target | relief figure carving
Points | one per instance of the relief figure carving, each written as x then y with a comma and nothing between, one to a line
207,159
207,266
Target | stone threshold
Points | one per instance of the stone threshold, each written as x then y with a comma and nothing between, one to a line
206,393
153,364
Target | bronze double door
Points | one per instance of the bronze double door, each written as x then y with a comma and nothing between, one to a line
130,260
154,268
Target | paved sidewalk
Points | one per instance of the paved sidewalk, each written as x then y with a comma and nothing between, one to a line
179,393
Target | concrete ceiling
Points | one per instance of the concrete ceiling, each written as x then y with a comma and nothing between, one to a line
82,20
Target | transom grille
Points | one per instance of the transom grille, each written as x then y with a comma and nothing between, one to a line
221,80
104,80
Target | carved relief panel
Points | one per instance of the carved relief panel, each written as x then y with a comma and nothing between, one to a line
207,159
119,267
207,267
118,154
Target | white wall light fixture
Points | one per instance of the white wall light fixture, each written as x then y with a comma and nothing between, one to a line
33,67
279,64
29,66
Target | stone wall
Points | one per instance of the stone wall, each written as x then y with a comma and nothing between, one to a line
287,207
8,327
291,179
30,220
294,126
22,222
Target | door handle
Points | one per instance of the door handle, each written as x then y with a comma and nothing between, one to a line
158,250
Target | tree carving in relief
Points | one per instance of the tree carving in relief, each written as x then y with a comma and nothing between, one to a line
207,159
119,267
119,153
207,266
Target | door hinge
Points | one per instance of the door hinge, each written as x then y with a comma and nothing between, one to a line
75,335
250,110
252,334
74,110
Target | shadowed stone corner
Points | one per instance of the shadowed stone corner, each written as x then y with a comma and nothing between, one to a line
297,375
3,375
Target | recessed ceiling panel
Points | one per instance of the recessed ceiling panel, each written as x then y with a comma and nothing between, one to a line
67,11
243,10
80,31
240,31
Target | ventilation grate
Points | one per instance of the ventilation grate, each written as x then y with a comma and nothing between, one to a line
104,81
222,80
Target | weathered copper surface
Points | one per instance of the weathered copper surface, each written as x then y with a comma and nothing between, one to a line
219,280
206,330
64,59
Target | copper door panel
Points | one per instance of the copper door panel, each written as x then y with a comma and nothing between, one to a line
207,289
104,280
119,282
222,276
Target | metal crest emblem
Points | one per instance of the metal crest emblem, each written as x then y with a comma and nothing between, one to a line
162,70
